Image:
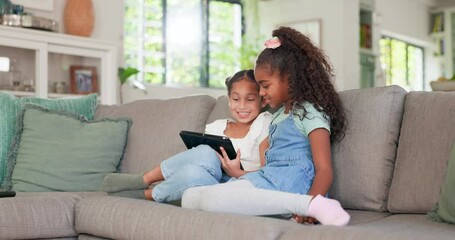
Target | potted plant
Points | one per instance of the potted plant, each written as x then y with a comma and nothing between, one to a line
124,75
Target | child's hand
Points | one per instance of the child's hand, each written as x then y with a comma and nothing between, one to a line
231,167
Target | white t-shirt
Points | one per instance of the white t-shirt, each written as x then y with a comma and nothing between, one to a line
248,145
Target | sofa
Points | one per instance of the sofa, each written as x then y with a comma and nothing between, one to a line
389,171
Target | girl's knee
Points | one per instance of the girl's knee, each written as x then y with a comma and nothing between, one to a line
191,198
209,161
209,199
205,151
195,175
200,198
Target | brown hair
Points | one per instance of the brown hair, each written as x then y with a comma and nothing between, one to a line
309,73
240,75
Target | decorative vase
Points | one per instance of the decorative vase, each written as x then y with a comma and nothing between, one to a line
79,17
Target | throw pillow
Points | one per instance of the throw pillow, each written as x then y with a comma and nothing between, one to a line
62,151
8,110
445,208
10,106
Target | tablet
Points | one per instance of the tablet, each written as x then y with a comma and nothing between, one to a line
193,139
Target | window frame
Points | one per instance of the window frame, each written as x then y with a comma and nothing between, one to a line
204,80
407,45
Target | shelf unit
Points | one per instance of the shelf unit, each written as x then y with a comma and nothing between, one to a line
367,43
442,33
45,59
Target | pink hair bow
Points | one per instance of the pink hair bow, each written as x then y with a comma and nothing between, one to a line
272,43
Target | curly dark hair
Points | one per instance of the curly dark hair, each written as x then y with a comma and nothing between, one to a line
310,76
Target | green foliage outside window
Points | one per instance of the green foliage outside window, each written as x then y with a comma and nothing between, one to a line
224,48
403,63
156,29
143,44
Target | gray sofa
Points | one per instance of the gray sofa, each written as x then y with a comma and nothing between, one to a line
389,170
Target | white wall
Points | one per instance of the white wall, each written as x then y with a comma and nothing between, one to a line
108,19
339,31
445,3
409,20
405,17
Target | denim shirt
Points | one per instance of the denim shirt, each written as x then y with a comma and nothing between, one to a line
289,162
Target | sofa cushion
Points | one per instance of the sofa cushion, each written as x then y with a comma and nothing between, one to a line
363,161
39,215
61,151
10,106
125,218
361,217
221,110
395,227
427,135
8,110
154,135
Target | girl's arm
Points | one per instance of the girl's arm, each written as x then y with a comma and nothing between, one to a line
264,145
322,159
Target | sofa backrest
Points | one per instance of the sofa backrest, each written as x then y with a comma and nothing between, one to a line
220,110
363,161
154,135
427,135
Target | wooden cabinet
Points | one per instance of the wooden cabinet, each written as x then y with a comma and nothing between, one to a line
53,65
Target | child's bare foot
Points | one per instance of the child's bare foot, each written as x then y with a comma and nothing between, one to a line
328,211
154,175
148,194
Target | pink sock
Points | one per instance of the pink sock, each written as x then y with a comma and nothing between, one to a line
328,211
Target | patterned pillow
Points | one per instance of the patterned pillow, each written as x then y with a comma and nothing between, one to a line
10,106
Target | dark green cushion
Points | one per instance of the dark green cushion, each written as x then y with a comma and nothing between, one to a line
10,106
8,111
445,208
62,151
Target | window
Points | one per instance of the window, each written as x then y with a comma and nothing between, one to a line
183,42
4,64
403,63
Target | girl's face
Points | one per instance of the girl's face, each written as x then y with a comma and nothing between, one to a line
244,101
274,89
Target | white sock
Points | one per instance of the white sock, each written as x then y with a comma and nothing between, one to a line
328,211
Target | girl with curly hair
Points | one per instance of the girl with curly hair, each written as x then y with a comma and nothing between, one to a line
295,77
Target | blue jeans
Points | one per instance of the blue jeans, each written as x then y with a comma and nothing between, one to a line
199,166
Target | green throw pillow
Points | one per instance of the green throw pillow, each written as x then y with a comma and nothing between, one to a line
8,111
10,106
445,208
62,151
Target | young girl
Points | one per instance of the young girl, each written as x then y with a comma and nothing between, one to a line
201,166
295,77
